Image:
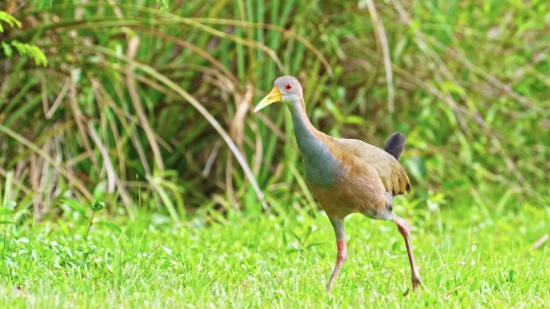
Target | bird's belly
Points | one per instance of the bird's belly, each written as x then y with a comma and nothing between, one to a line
363,194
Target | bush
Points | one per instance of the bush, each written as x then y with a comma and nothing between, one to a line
138,104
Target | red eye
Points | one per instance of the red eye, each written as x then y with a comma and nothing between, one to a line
288,87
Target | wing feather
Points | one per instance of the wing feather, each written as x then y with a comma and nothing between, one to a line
391,173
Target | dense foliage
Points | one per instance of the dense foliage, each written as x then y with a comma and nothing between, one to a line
139,101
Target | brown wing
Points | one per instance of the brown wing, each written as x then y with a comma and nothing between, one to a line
393,175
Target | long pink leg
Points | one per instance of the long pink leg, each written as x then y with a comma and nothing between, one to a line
342,255
403,227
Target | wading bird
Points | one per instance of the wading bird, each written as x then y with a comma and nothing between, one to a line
345,175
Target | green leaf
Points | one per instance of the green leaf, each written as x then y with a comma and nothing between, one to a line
353,119
76,206
5,211
97,206
9,19
7,49
511,275
167,250
110,226
99,191
10,205
32,51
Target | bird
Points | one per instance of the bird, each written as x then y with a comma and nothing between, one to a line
346,176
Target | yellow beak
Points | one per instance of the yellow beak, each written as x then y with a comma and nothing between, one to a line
273,96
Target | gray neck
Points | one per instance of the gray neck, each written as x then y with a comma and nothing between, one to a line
303,130
322,168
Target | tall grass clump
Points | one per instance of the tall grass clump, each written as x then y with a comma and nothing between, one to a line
149,103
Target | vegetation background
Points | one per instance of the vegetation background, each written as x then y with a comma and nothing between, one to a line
145,108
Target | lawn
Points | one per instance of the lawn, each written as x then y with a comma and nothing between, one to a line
469,257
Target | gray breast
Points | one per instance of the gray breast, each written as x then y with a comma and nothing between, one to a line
322,168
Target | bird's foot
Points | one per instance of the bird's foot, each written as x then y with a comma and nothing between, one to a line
415,283
415,278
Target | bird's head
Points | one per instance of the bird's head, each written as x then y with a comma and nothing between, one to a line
286,89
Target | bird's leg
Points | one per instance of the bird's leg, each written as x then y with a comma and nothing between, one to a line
404,230
340,231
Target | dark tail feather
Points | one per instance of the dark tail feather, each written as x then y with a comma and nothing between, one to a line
395,145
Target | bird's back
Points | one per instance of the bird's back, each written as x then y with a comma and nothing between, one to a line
365,158
373,176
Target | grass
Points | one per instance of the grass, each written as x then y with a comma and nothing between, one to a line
470,258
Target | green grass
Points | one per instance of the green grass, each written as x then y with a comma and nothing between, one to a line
468,258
